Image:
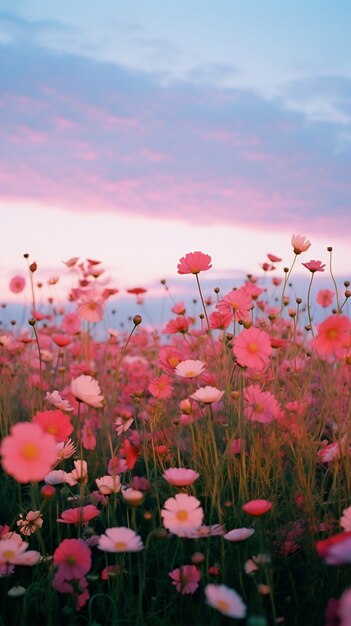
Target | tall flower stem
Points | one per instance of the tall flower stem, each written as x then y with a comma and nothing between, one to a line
309,303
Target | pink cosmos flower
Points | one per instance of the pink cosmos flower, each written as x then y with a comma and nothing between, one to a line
180,477
225,600
325,297
86,389
194,263
185,578
56,423
79,474
17,284
300,244
239,534
252,348
161,387
90,309
120,539
182,514
315,266
273,258
177,325
333,335
73,557
220,320
28,453
31,523
345,520
108,484
260,406
207,395
14,551
257,507
190,368
237,302
59,403
79,515
88,435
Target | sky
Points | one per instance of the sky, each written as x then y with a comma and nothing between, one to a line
135,132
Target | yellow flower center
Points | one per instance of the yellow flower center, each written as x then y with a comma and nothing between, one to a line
182,516
120,545
190,374
52,429
332,333
30,451
252,347
258,407
222,605
8,554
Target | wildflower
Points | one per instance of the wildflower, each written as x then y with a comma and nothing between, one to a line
90,309
189,368
31,523
225,600
314,266
73,558
325,297
86,389
185,578
333,335
257,507
79,474
203,532
239,534
194,263
108,484
177,325
14,551
65,450
237,302
161,387
180,477
56,423
300,244
133,496
120,539
55,477
17,284
28,453
252,348
182,514
79,515
273,258
260,406
59,403
61,340
122,424
207,395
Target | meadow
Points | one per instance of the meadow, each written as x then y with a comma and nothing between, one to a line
194,475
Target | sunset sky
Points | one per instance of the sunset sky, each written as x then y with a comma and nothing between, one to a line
134,132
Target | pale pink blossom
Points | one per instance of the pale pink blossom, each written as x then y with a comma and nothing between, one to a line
120,539
182,514
207,395
300,244
180,476
189,368
87,389
225,600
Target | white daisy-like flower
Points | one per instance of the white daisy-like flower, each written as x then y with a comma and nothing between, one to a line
225,600
207,395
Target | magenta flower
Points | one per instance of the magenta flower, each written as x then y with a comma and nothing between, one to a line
185,578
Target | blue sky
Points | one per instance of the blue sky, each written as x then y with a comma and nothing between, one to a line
135,132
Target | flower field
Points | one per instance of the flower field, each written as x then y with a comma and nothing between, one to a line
193,475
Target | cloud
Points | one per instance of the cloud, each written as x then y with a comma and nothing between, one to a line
93,136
